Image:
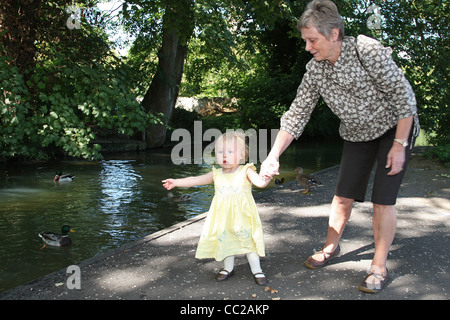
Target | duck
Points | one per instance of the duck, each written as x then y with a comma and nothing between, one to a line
178,198
279,182
57,240
59,177
305,180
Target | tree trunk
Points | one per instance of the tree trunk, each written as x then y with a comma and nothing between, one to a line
163,91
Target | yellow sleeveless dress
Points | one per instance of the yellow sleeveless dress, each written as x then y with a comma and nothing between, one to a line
233,225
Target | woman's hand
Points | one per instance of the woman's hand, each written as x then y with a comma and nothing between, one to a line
395,159
397,156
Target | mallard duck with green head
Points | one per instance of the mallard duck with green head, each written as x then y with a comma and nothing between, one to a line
55,239
59,177
305,180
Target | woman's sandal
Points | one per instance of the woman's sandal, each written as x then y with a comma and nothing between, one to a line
315,264
372,287
224,275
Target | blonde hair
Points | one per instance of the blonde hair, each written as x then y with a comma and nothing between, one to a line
238,137
324,16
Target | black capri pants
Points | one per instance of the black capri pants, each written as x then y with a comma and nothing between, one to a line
358,160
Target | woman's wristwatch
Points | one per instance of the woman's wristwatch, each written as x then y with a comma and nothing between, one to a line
403,143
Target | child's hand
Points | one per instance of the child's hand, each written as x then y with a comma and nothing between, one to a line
169,183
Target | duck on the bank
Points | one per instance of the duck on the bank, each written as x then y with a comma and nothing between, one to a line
178,198
59,177
55,239
305,180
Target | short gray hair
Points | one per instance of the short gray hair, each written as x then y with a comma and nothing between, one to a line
324,16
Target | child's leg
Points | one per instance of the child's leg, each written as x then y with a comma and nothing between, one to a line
227,271
228,264
253,261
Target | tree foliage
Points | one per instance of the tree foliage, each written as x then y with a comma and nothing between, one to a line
418,31
274,59
69,87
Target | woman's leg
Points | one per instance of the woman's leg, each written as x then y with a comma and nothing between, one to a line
341,209
384,226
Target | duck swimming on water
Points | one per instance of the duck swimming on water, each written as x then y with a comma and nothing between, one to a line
55,239
59,177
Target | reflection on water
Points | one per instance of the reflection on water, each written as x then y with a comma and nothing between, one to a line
109,203
119,184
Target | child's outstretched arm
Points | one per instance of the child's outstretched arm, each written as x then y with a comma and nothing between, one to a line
189,181
256,179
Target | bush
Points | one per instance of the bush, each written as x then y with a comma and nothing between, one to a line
442,153
58,109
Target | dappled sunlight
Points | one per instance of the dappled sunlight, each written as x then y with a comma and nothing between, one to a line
414,286
123,280
298,211
442,202
130,278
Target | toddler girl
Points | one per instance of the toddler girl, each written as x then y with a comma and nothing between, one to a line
233,225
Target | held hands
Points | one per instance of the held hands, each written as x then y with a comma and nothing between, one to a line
269,168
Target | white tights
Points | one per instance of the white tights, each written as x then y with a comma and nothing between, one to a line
253,261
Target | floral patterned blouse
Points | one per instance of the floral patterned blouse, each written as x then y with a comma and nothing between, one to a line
365,89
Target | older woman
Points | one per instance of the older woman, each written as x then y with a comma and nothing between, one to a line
363,86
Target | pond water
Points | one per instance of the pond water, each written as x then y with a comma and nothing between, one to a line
109,203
